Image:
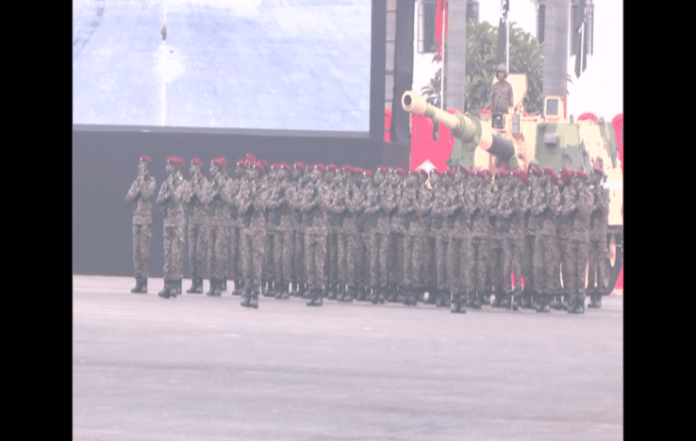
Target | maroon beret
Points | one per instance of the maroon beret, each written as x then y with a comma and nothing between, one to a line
299,165
523,175
258,166
175,160
581,174
331,167
275,166
196,161
451,172
250,157
369,173
535,170
320,167
414,173
382,169
264,163
286,167
566,174
552,174
242,163
145,158
220,162
401,171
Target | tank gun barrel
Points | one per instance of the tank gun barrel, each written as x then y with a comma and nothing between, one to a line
469,130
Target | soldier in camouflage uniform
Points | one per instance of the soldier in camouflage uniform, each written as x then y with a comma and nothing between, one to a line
237,228
407,212
481,230
379,243
354,208
284,246
579,241
546,201
440,235
271,271
140,194
315,198
564,228
461,201
220,199
396,239
368,201
529,292
299,279
599,223
197,201
338,245
171,199
372,235
503,210
252,204
420,229
332,236
514,241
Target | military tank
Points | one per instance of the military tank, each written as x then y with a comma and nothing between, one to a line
550,138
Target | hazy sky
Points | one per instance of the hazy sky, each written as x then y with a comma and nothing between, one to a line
600,87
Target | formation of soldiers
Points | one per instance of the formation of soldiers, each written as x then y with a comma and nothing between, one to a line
388,235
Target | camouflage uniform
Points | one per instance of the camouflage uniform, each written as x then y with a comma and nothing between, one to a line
395,255
199,218
235,230
460,205
517,237
354,205
481,231
274,234
252,204
599,254
378,222
502,248
420,229
564,229
440,235
220,200
141,194
338,244
407,208
368,204
546,201
294,200
285,245
171,199
315,198
531,227
579,248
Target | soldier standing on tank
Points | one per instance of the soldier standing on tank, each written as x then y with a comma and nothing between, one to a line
564,227
579,240
501,97
171,199
599,223
197,201
299,280
141,193
481,230
219,198
252,204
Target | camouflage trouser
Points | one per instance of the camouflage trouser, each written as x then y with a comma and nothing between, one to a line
564,254
276,260
409,271
480,259
458,263
578,252
197,238
342,258
217,251
268,270
420,260
235,254
252,261
499,264
379,247
287,254
315,257
332,254
396,259
364,258
546,264
299,259
173,252
528,263
516,245
598,267
354,257
442,243
142,235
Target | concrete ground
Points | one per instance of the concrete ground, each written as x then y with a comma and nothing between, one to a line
202,368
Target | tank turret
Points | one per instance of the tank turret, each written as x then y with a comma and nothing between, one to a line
469,133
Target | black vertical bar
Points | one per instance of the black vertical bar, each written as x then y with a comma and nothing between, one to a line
403,71
378,68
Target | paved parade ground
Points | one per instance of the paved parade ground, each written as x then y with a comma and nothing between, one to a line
203,368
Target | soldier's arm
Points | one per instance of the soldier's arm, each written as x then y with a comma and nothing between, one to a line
148,188
133,191
164,193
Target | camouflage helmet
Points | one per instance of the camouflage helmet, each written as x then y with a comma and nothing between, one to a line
501,68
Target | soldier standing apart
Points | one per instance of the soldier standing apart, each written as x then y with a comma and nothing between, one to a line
579,243
219,198
140,193
171,200
501,97
598,236
197,203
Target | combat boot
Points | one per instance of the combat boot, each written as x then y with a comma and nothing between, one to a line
138,284
446,298
595,301
391,293
543,302
349,294
331,291
498,301
474,300
576,305
143,285
413,297
555,302
175,287
381,294
373,295
222,287
246,297
515,302
254,301
238,287
295,289
194,286
166,292
211,290
526,300
456,302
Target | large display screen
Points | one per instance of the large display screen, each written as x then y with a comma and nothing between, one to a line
242,64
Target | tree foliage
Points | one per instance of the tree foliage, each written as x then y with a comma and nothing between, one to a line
431,92
526,56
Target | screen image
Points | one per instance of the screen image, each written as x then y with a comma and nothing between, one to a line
245,64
